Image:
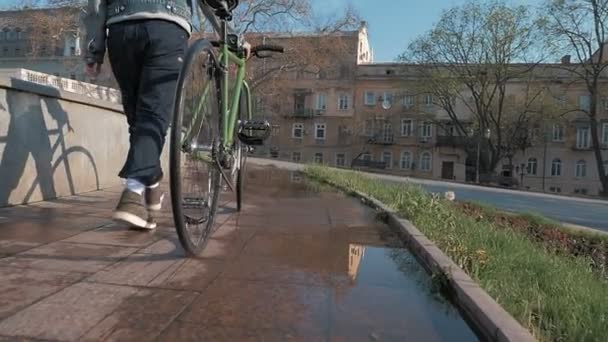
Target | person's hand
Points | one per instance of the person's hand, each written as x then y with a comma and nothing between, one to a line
93,69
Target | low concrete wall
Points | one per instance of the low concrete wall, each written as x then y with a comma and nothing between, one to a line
56,143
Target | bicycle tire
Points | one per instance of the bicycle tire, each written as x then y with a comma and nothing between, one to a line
240,177
194,246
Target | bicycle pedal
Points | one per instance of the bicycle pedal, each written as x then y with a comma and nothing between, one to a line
254,133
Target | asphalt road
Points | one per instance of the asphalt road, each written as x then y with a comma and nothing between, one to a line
577,211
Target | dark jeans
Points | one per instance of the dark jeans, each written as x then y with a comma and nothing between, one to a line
146,57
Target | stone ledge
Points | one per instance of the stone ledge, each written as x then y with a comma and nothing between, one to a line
12,79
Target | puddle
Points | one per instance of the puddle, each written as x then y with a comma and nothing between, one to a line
390,297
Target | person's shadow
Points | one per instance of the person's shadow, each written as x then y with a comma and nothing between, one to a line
28,135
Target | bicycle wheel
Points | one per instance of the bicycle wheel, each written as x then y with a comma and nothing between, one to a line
195,140
241,148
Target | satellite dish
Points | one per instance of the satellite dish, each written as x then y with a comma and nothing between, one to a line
386,104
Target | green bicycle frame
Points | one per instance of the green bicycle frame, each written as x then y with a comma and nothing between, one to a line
230,113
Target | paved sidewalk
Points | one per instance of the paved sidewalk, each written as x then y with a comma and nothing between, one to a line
290,267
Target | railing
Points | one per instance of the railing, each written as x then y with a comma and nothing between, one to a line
303,113
455,141
577,147
369,164
68,85
382,139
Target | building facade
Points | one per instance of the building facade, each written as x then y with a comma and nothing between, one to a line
375,119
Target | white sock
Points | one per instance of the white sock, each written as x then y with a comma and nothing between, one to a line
135,186
155,185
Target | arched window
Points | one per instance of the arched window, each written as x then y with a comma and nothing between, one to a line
406,160
556,167
425,161
581,169
532,166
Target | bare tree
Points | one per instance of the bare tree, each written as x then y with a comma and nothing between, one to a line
468,60
579,28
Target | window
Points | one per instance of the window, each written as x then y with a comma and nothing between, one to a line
3,35
428,100
581,169
296,157
407,127
275,131
17,52
425,161
605,133
387,132
340,159
72,51
582,138
584,102
370,98
556,167
558,133
320,131
606,167
387,158
366,156
18,33
321,105
297,131
408,101
5,51
343,102
10,35
532,166
581,191
368,130
427,130
555,189
406,160
388,97
319,158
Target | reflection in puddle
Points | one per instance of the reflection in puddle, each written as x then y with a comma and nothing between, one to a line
390,297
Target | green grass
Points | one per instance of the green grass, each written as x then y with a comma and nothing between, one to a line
557,298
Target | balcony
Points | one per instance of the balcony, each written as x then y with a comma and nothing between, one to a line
453,141
382,139
577,147
303,113
369,164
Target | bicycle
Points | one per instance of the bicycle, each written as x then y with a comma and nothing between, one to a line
208,142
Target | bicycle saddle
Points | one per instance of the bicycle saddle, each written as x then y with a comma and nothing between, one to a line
223,8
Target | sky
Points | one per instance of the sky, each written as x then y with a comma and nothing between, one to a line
392,24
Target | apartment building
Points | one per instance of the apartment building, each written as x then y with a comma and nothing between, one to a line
29,39
312,107
48,40
376,119
403,131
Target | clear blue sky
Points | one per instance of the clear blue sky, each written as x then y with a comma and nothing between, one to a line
393,24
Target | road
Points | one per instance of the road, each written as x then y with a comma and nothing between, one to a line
577,211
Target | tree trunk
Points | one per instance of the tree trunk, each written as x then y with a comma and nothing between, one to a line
597,151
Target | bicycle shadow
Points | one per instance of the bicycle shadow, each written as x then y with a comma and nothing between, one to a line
27,135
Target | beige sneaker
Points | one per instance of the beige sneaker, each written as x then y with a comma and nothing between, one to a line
130,209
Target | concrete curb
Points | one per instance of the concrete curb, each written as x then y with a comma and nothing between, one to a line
491,321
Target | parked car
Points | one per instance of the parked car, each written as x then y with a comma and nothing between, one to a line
498,180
